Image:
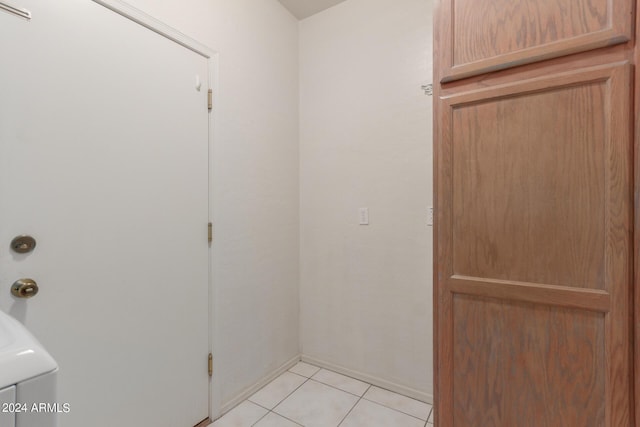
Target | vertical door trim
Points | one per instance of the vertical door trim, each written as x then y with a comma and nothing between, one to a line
635,299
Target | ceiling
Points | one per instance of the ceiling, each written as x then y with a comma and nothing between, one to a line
304,8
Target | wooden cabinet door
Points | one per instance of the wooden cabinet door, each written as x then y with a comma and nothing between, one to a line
534,201
488,35
533,269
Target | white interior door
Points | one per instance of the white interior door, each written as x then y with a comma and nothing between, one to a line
104,160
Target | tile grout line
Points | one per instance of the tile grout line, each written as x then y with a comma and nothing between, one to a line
360,397
295,422
269,411
398,410
346,376
296,389
257,404
282,400
260,419
377,403
352,408
344,391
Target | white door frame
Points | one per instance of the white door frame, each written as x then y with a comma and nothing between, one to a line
159,27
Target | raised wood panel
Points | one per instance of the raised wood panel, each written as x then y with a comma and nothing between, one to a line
517,363
478,36
529,186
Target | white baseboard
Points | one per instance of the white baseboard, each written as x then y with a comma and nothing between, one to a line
379,382
246,393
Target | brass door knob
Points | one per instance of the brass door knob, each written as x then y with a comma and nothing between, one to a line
24,288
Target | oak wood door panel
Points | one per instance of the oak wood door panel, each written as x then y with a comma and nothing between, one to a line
489,35
528,187
533,244
552,345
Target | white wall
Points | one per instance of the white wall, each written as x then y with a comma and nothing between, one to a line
366,142
255,183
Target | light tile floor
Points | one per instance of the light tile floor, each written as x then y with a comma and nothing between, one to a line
309,396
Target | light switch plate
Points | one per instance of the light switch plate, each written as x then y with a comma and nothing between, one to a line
364,216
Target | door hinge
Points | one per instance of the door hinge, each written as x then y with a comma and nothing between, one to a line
210,232
210,99
210,365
